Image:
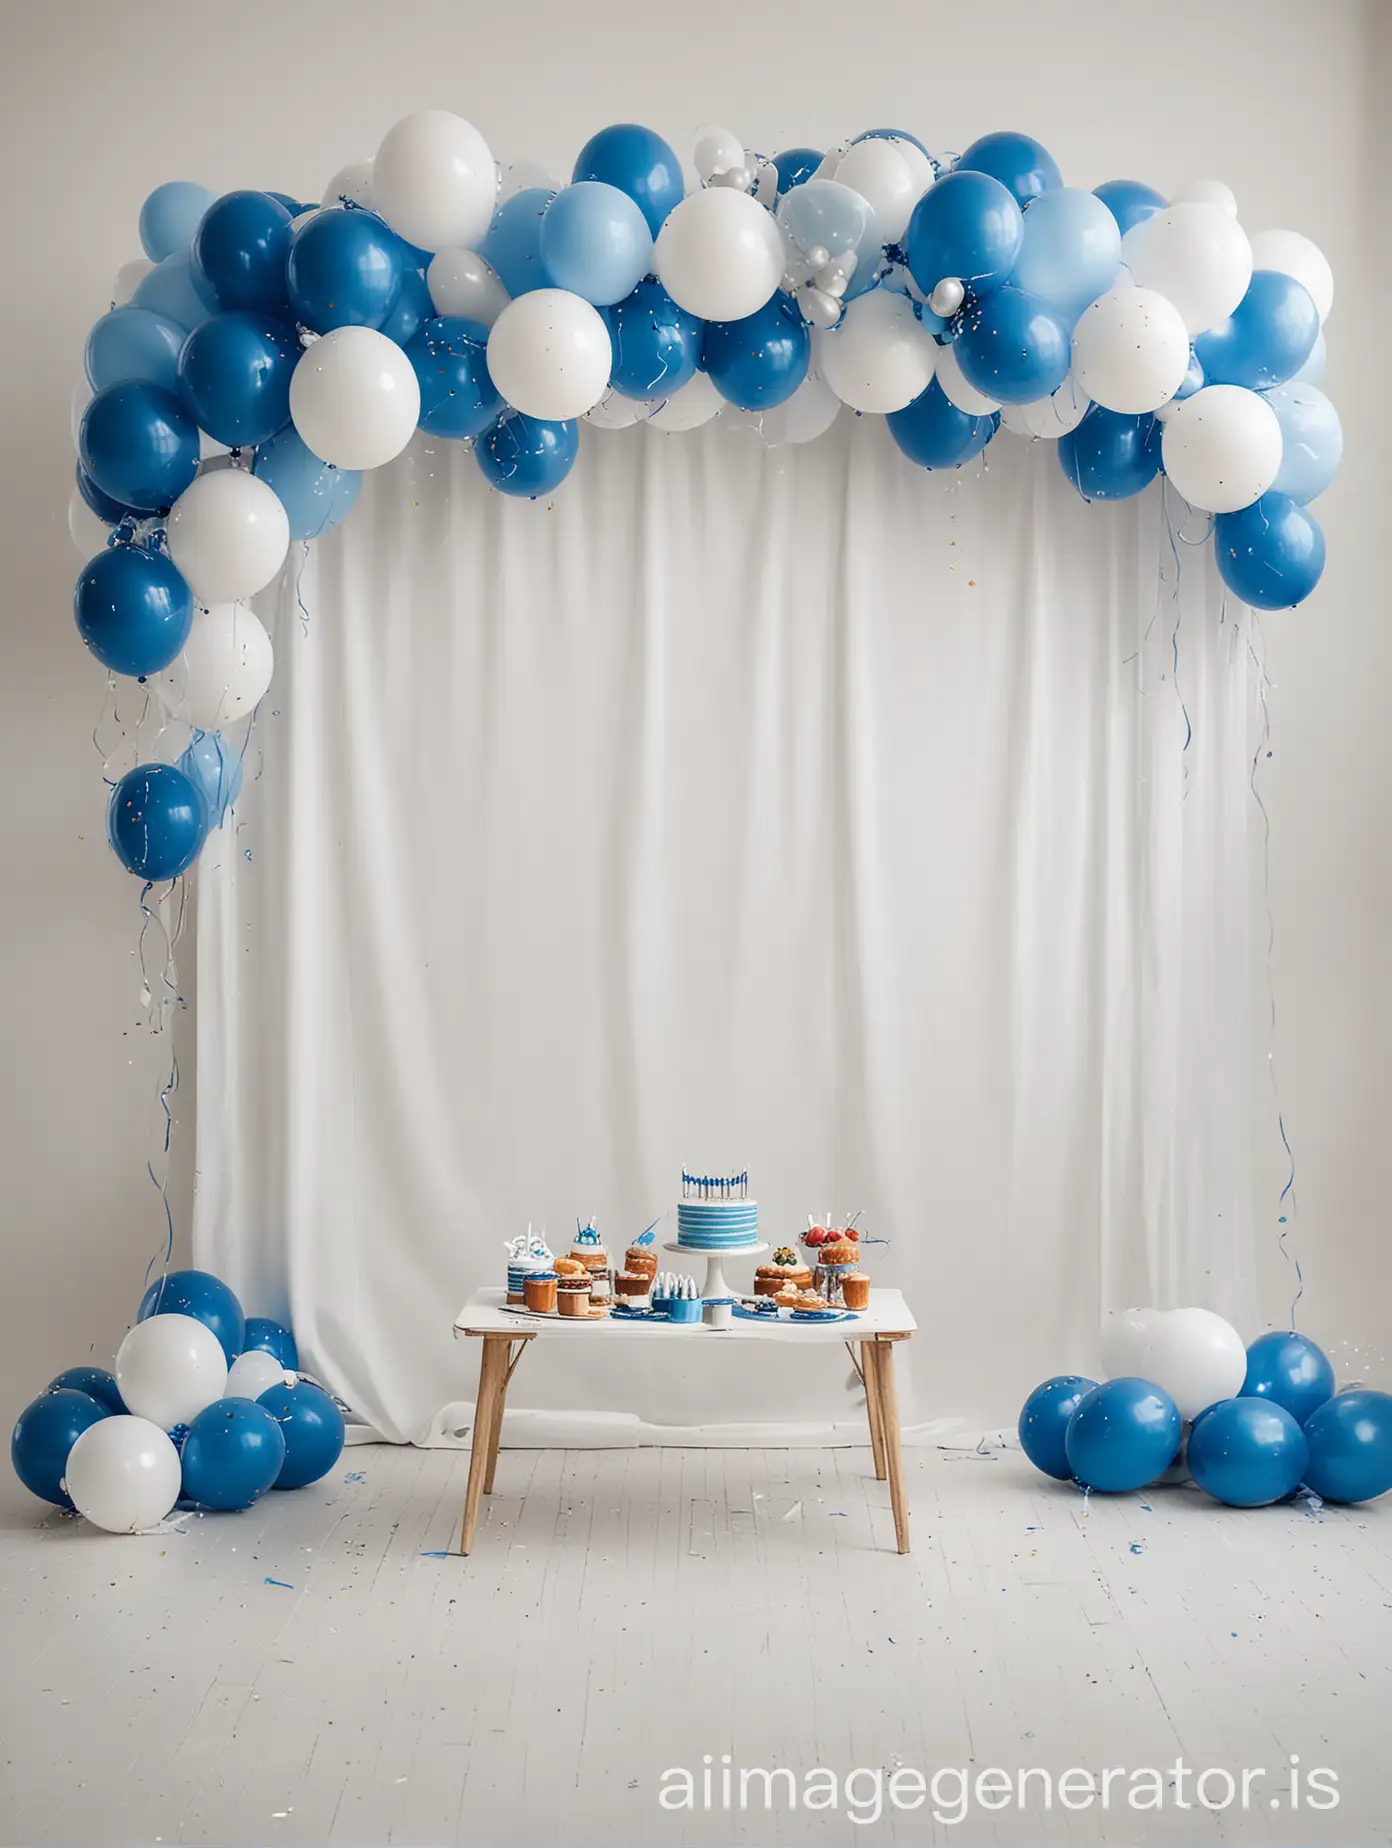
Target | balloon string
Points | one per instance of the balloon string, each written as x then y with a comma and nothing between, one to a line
157,1165
304,613
1177,608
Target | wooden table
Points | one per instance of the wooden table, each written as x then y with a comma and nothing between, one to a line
869,1339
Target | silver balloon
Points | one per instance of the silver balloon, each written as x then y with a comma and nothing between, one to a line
821,309
947,298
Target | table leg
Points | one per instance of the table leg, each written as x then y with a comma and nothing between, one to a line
870,1375
495,1435
883,1352
493,1369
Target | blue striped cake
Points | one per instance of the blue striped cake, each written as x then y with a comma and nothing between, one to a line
716,1214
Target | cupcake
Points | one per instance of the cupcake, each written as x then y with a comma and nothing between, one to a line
573,1294
641,1261
842,1252
539,1291
855,1290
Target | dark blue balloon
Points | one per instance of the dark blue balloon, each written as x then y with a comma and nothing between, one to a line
292,205
527,456
895,134
105,508
234,1451
411,308
345,270
639,163
967,226
1012,346
796,165
241,247
265,1336
934,433
759,362
1044,1422
313,1428
178,289
1247,1452
169,218
44,1433
133,609
156,822
458,397
1350,1439
1270,554
1289,1370
657,346
1019,162
1123,1435
1129,202
139,445
314,494
512,243
234,376
133,343
214,767
1111,455
96,1382
1266,339
206,1298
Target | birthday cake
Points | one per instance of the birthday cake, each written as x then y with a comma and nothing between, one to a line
715,1213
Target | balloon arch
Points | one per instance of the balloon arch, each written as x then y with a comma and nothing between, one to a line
264,352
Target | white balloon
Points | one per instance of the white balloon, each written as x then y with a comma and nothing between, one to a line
128,279
1222,448
253,1373
687,409
818,308
89,532
1207,192
1295,255
224,670
355,398
615,412
549,354
169,1367
717,151
877,170
920,166
1194,254
1052,417
1130,350
123,1473
523,176
434,180
881,356
719,255
812,410
956,389
461,282
1198,1358
1128,1343
351,185
228,535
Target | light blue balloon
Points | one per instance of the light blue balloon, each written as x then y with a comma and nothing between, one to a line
314,494
134,343
512,243
823,213
1313,370
595,242
1312,440
215,768
176,289
1071,250
871,267
169,218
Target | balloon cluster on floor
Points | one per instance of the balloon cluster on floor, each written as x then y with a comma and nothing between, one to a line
205,1408
266,352
1249,1425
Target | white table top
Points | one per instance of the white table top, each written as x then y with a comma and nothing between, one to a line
486,1313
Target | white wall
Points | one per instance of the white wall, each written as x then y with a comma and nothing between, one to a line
102,99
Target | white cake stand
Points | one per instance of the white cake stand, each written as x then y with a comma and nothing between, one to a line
715,1284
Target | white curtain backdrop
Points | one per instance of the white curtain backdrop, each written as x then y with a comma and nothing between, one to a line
790,809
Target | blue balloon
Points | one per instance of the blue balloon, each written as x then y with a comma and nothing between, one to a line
133,343
657,346
824,214
1111,454
1129,202
934,433
234,376
796,165
313,1428
1288,1370
1123,1435
512,243
1270,554
1312,440
1019,162
967,226
133,610
170,217
1012,346
1193,379
206,1298
1313,370
292,205
1266,339
639,163
527,456
759,361
241,246
268,1337
156,822
139,445
1044,1422
105,508
314,494
1071,250
873,267
1350,1439
1247,1452
214,767
234,1451
411,307
344,270
177,289
458,397
96,1382
595,242
44,1433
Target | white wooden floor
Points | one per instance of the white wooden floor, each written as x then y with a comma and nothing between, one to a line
316,1671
